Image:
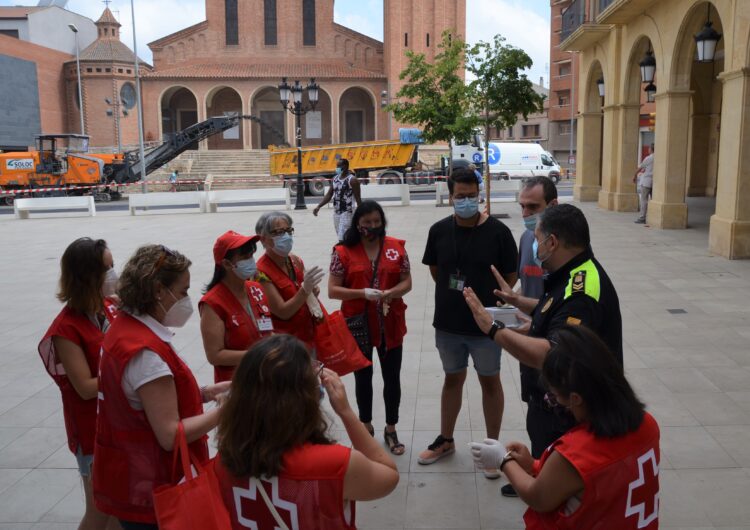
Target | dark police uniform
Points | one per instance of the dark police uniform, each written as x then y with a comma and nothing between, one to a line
579,293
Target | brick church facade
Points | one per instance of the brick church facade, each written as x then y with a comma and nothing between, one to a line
235,59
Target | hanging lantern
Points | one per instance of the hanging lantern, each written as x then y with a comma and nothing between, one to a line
600,86
648,67
650,91
707,39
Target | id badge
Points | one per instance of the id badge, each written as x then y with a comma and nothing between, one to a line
456,282
265,324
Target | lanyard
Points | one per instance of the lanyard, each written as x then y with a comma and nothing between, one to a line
467,245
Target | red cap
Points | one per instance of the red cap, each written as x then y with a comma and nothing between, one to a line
229,241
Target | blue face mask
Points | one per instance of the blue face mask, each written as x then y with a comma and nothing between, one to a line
338,171
530,222
246,269
535,250
282,244
467,207
322,392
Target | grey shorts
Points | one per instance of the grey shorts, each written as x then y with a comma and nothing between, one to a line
84,463
455,350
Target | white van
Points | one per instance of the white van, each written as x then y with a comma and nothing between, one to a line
521,160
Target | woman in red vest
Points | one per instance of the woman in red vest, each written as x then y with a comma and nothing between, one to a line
70,352
276,463
146,389
234,310
604,472
366,250
285,281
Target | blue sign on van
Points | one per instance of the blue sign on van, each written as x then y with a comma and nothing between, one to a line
493,154
477,158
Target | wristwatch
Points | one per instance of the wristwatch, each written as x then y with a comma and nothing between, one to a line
496,326
507,458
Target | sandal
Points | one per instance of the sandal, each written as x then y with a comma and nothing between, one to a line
371,430
391,438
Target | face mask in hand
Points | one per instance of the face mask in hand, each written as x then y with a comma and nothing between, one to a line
109,287
282,244
246,269
467,207
178,315
530,222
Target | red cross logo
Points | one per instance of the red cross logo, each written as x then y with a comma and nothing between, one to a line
252,511
640,502
391,254
256,293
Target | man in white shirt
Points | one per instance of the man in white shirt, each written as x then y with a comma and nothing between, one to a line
645,181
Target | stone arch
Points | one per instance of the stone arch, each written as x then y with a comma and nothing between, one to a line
178,109
357,114
219,101
592,101
265,105
320,131
685,50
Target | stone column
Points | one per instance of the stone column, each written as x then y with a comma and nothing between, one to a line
201,104
667,209
589,146
335,129
620,158
729,232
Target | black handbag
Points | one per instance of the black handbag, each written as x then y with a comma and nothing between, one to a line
359,325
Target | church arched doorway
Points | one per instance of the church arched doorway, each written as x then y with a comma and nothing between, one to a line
179,110
316,124
266,106
225,101
356,115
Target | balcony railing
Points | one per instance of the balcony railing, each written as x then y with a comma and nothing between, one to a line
572,18
604,4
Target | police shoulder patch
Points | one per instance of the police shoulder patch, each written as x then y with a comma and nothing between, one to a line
579,282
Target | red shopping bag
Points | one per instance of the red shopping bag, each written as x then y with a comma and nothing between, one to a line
195,503
335,346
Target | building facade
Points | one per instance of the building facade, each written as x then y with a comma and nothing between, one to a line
702,110
535,128
234,60
563,77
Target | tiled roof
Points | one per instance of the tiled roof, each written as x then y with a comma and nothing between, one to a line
107,18
275,71
110,50
17,12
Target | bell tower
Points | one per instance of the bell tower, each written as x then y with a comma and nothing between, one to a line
416,25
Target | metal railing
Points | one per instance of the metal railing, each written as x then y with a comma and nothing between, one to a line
573,17
604,4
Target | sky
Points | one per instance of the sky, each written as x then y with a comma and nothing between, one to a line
524,23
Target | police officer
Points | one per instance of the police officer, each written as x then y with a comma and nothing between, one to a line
577,291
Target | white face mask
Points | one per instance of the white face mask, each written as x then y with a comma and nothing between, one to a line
109,287
178,315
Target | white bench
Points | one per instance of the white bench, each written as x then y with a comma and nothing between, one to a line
261,195
514,186
386,191
22,207
182,198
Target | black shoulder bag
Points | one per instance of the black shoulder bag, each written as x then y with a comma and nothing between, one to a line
359,325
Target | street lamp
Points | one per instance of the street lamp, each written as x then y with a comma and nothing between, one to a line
291,100
707,39
113,112
141,150
600,86
648,67
650,91
74,29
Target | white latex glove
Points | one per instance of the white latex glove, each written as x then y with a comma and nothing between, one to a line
312,279
487,454
373,294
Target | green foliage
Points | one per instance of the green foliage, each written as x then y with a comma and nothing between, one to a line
499,91
435,94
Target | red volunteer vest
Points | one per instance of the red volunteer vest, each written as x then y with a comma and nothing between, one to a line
130,463
302,324
240,331
620,476
308,494
359,276
79,413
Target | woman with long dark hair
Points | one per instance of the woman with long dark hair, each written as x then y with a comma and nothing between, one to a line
370,274
603,473
273,437
71,349
234,310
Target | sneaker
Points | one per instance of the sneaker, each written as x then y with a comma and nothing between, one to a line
491,474
436,450
508,491
640,221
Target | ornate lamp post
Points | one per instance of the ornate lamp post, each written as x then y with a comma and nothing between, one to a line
291,100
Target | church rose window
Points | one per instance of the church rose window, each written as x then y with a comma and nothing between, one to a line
232,22
308,22
127,95
269,13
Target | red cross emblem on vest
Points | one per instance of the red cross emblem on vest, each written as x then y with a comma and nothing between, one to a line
643,494
251,508
256,293
391,254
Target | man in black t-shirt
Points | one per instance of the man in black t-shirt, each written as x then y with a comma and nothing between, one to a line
460,251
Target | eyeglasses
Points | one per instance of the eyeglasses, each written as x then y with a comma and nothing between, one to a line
318,367
166,252
282,231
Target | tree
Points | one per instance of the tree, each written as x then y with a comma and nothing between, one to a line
499,91
435,94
